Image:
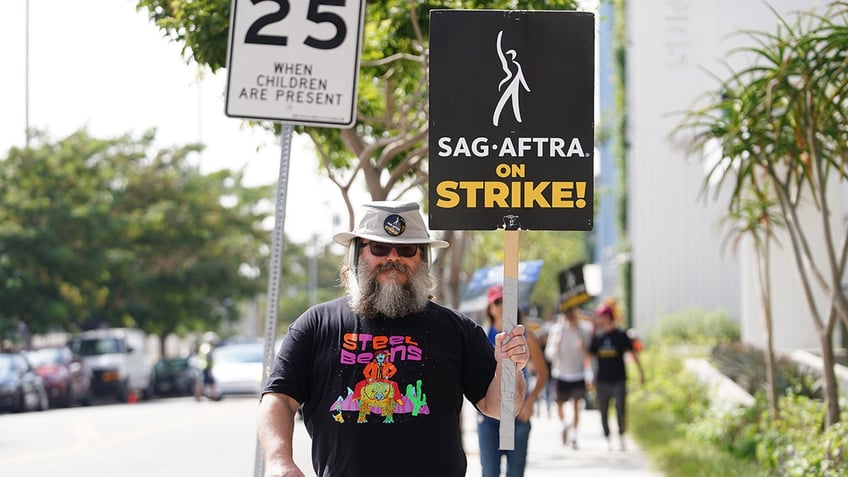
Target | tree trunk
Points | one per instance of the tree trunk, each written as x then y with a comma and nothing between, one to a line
763,270
831,385
456,268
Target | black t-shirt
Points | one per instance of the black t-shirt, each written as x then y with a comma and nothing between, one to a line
383,395
609,348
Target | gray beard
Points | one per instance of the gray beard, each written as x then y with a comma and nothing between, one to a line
370,298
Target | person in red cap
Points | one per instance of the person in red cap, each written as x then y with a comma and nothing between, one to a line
434,356
609,346
488,429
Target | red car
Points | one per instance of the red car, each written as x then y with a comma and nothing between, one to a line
66,377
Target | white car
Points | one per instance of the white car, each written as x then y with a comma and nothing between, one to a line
237,368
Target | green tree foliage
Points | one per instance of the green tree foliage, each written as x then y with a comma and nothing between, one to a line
391,130
388,146
559,250
310,276
102,230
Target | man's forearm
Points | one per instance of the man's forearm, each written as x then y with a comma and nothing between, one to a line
490,405
275,427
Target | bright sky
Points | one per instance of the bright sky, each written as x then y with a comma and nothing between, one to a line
100,65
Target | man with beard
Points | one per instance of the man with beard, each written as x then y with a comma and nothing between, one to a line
439,356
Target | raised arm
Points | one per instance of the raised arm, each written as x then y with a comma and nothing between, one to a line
516,349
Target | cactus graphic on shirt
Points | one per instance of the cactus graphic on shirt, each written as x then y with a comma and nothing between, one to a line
416,397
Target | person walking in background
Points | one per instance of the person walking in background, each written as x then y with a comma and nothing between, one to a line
437,355
488,429
568,351
543,335
205,361
609,346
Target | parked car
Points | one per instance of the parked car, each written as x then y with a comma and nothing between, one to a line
237,368
66,376
120,359
21,388
174,377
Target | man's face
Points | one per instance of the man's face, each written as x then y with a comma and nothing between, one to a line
390,262
390,280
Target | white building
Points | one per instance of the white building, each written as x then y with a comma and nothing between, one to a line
676,237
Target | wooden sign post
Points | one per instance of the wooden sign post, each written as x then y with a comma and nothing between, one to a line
510,320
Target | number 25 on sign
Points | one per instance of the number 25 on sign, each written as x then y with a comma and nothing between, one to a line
295,62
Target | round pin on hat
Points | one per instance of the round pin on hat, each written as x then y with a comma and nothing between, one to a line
391,222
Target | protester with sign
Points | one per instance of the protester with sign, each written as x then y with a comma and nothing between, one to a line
609,346
380,373
568,351
488,428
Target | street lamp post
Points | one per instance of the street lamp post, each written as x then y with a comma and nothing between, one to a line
26,75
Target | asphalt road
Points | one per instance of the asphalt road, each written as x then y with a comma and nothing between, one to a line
181,437
160,437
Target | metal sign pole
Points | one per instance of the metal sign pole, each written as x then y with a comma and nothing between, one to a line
323,58
274,269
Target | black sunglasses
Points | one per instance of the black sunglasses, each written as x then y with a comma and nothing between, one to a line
379,249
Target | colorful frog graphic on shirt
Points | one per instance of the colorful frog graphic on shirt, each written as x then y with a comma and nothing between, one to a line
377,389
379,394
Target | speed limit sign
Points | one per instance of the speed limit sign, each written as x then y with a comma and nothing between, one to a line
294,61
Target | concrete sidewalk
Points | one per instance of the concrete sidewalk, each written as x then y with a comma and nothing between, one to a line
548,457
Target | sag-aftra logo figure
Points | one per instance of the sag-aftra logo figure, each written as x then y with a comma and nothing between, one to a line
513,79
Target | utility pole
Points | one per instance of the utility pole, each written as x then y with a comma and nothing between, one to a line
26,75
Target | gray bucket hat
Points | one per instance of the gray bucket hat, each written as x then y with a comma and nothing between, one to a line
391,222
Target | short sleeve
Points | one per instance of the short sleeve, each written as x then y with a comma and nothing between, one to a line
290,372
628,341
479,362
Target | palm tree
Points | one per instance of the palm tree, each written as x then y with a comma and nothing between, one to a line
756,219
781,126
